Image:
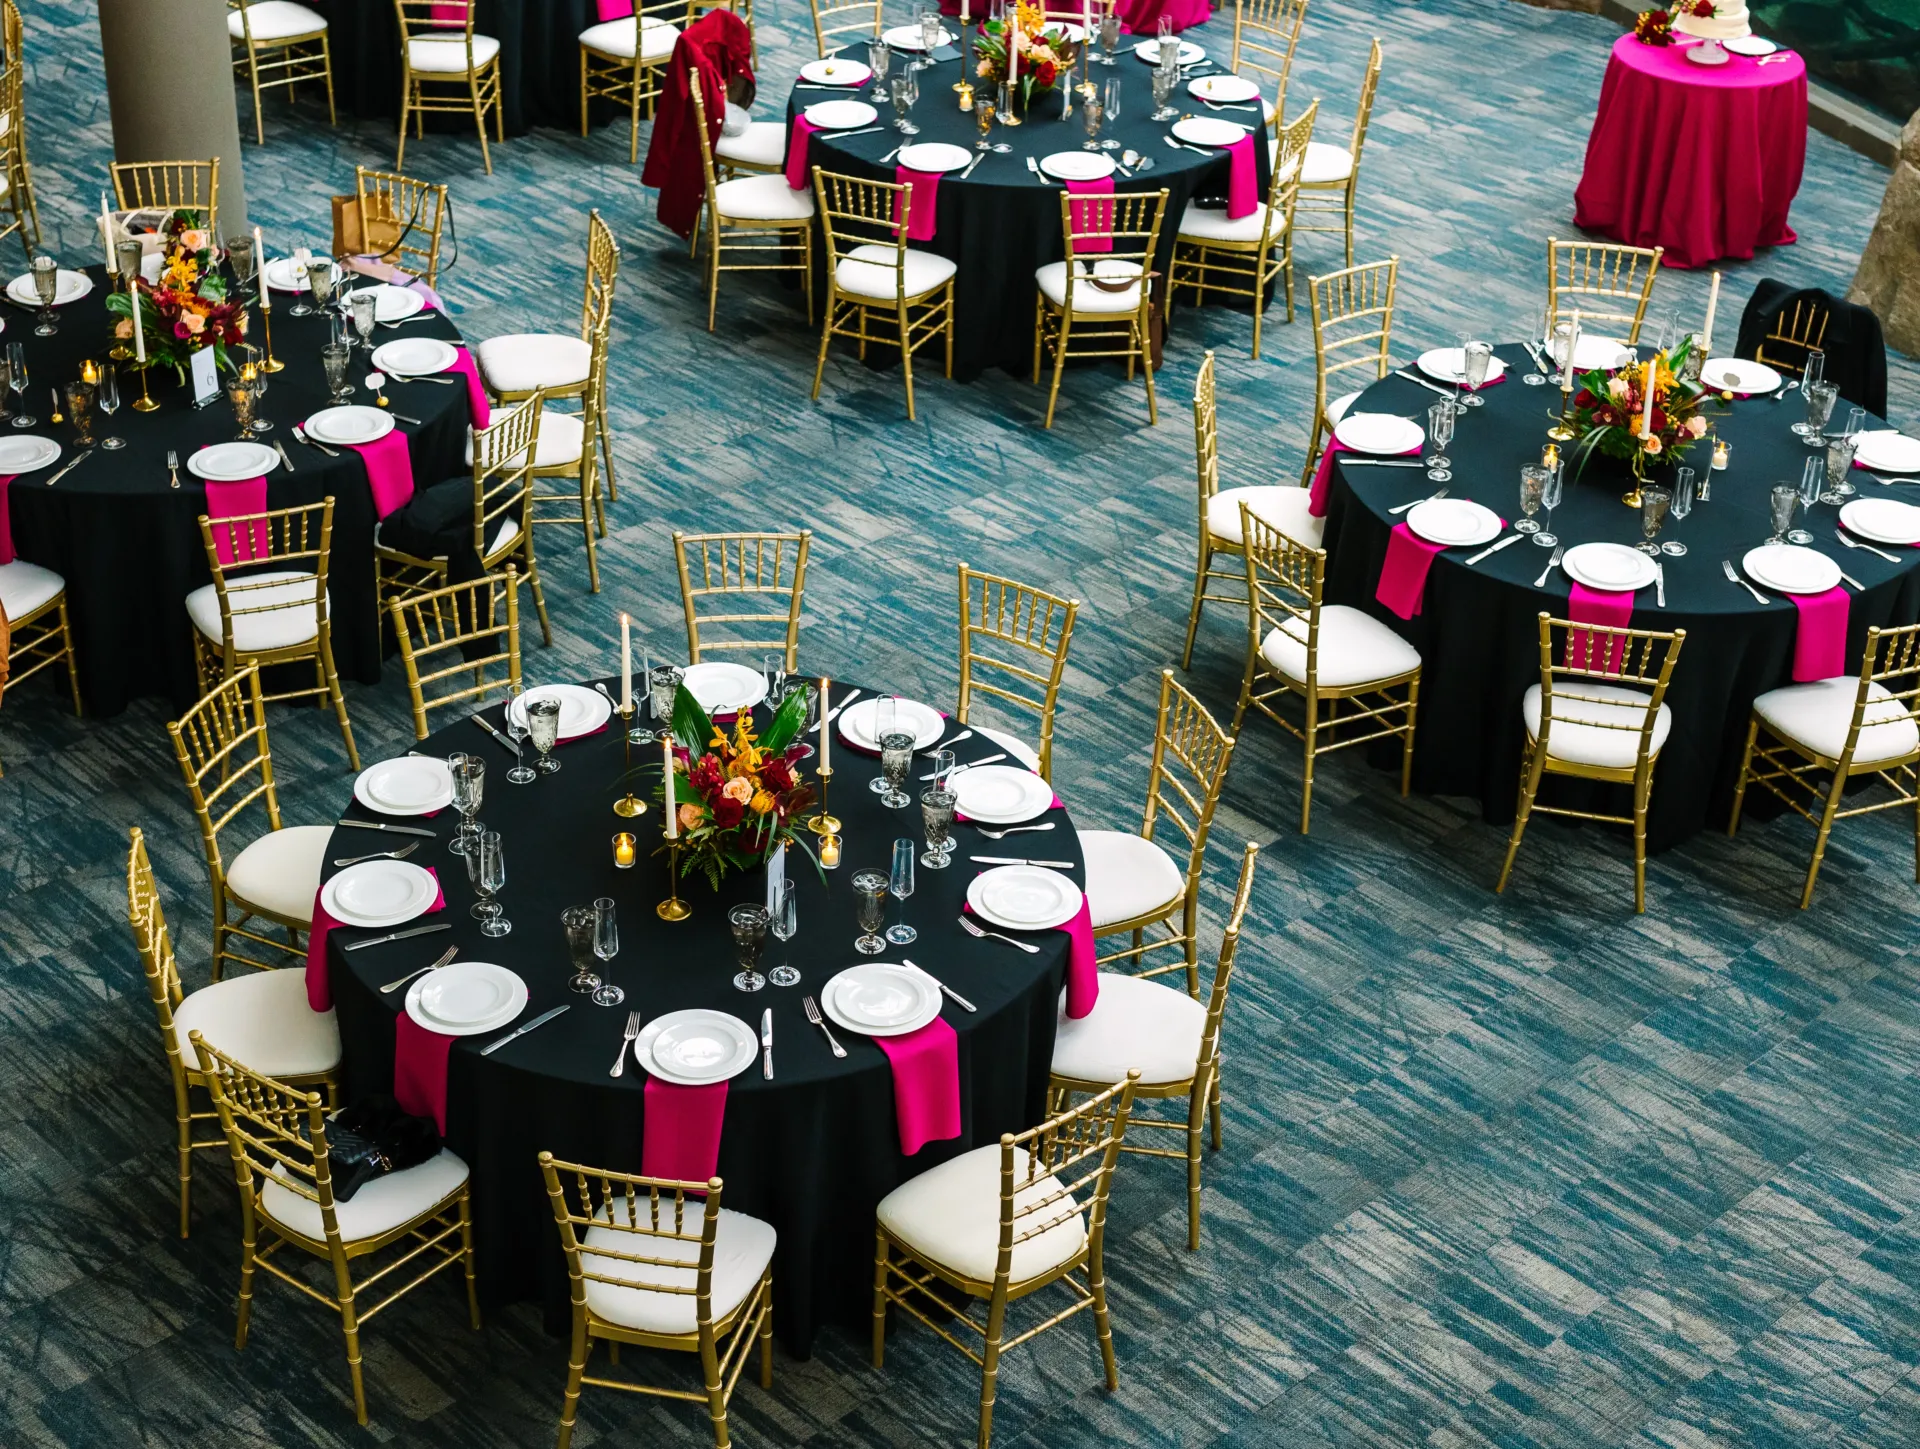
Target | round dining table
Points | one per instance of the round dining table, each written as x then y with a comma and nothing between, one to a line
126,536
1001,223
811,1151
1477,629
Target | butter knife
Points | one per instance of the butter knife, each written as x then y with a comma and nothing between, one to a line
766,1043
1347,460
74,462
281,448
955,997
382,825
973,163
541,1020
405,419
1495,547
1445,392
1021,860
845,700
401,935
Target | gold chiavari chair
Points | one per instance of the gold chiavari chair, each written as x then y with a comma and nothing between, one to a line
440,632
1601,281
570,449
439,49
1330,175
401,219
221,744
1586,718
1265,35
648,1267
874,278
999,1224
1099,303
1132,880
1797,331
625,60
13,128
1017,637
737,572
277,1134
175,185
1352,313
33,601
279,44
760,218
268,604
1845,728
1242,256
263,1014
854,20
1328,654
1170,1038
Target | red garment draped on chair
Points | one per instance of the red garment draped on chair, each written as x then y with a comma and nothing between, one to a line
719,45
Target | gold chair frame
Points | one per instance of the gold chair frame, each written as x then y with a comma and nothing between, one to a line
298,58
402,206
789,242
827,21
1265,36
1136,216
856,212
441,623
1206,463
39,639
584,503
1801,330
1035,628
13,103
745,567
647,1204
1646,658
1090,1133
176,185
278,1132
1336,198
303,533
632,81
418,20
1780,765
1599,275
1352,312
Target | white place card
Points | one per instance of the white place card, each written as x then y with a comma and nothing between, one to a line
206,376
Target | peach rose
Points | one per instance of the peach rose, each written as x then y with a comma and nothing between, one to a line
123,328
738,789
1651,445
1697,426
689,816
193,241
193,322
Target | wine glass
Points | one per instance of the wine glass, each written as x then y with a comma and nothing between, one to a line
108,398
1682,505
333,361
896,758
936,811
1091,114
1812,476
46,286
606,945
1820,397
1109,38
1533,482
886,713
1110,101
493,879
1550,500
931,34
983,114
870,910
1839,462
80,412
17,380
749,926
879,58
543,728
469,785
1440,432
1781,503
1653,513
897,93
581,924
1476,359
319,284
783,920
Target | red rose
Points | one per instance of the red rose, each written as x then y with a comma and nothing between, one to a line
776,775
1659,421
1584,399
1044,73
726,813
1703,8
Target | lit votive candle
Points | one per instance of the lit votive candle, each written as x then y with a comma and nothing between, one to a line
1721,452
623,851
829,852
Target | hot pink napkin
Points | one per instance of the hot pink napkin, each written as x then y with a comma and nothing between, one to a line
926,1084
448,14
680,1138
420,1069
1083,973
1820,648
797,139
319,984
1243,181
1403,574
389,471
615,9
1089,215
1142,17
1612,607
6,520
228,499
923,213
476,391
1054,806
1317,495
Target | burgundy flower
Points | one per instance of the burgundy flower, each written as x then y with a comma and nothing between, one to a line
727,813
776,775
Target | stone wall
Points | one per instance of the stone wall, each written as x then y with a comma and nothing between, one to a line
1889,277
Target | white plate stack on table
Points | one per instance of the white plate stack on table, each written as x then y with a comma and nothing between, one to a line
722,688
1612,568
835,70
380,893
1024,898
1454,522
1223,90
1000,794
409,785
1883,520
923,722
840,115
1739,375
1449,365
71,287
582,710
880,999
1208,131
1600,354
908,37
390,303
349,425
285,274
1886,451
26,452
695,1048
466,998
1788,568
414,357
934,157
232,462
1077,165
1379,433
1190,54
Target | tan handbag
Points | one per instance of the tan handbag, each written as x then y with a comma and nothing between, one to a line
356,235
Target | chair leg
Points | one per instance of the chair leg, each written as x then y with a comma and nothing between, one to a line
1641,789
539,598
1306,781
259,116
880,1256
1102,1323
906,352
1213,1103
1199,601
766,1331
576,1367
990,1367
406,105
716,1395
466,1256
332,680
73,660
183,1121
244,1317
1146,367
480,121
1530,771
326,67
1820,840
1059,363
351,1324
589,500
1196,1122
1746,766
1406,752
1039,330
583,94
606,461
826,336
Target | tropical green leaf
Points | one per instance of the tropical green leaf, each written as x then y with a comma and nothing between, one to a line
786,723
691,726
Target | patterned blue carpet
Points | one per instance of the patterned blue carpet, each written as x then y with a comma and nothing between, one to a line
1520,1171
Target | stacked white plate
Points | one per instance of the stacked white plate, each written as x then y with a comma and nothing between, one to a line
722,688
465,998
1611,567
409,785
840,115
1884,520
1379,433
1024,897
390,303
71,287
343,426
934,156
226,462
1000,794
1454,522
1149,51
1739,374
1601,354
284,274
1448,365
908,37
379,893
1077,165
921,721
1750,45
24,452
835,70
1208,131
1223,89
1889,451
694,1048
582,710
414,356
877,998
1790,569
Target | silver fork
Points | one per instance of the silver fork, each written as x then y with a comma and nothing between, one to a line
633,1030
1012,830
813,1015
435,966
1726,565
1851,542
1552,564
173,466
971,929
1402,508
401,854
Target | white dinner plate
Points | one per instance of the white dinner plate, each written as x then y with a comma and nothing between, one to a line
1012,744
1070,30
408,785
1790,568
1448,364
1001,794
1750,45
1889,451
878,998
1379,433
722,688
840,115
23,452
71,287
1455,522
284,274
1600,354
226,462
908,37
390,303
1077,165
694,1048
1611,567
835,70
414,356
1149,51
1223,89
582,710
1024,897
465,998
350,424
934,156
921,721
1884,520
379,893
1208,131
1739,374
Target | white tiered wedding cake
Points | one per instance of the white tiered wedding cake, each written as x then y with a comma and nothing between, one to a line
1724,20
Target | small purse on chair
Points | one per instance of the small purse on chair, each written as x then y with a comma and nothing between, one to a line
372,1137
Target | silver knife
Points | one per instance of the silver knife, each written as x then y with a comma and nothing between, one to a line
479,720
519,1031
1021,860
1496,547
281,448
766,1043
400,935
1552,564
975,162
957,999
396,829
405,419
973,764
78,458
1347,460
845,700
1852,580
1445,392
1659,583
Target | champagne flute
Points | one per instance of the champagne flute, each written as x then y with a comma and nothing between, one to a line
983,113
749,926
931,33
885,714
46,285
1476,360
1812,476
240,254
1534,377
319,284
1163,82
364,306
897,93
109,400
811,722
522,773
1550,500
240,394
774,667
469,784
17,380
896,758
900,886
879,59
783,921
870,910
1440,418
333,361
543,728
1110,95
493,878
1819,399
260,423
6,381
1839,463
1682,505
1091,114
80,411
1560,352
1109,37
936,811
606,945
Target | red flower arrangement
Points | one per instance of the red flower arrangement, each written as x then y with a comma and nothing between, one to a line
187,309
1654,27
738,796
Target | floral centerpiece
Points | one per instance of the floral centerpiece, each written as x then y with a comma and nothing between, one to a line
1611,415
186,309
737,796
1043,50
1655,27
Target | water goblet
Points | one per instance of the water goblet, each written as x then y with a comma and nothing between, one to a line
1653,512
897,92
1682,505
46,286
1839,462
1164,80
17,380
108,399
1476,361
1110,95
522,773
783,920
1109,36
879,58
1819,396
320,283
543,728
606,945
1781,503
80,411
936,811
896,758
1533,482
580,924
333,361
870,910
1091,114
469,786
1550,500
886,711
983,114
493,879
749,926
1440,419
363,304
1812,477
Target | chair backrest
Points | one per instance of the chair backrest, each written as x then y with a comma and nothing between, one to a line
1284,583
1128,221
1575,657
438,632
503,455
1352,314
666,1244
603,270
1016,636
155,943
1190,758
1206,438
177,185
401,219
1363,112
1781,323
1289,165
1602,281
281,540
1077,1150
733,572
857,212
1800,328
448,20
708,180
1223,968
1265,33
853,20
1889,690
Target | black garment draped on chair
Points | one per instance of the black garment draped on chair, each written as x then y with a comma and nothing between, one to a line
1856,352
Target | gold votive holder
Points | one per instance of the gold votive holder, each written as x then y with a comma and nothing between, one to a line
623,851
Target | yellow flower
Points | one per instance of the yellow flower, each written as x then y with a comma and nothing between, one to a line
761,803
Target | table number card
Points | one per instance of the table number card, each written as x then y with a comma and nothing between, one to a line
776,872
206,377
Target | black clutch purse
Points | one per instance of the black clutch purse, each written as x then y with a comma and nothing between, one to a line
372,1137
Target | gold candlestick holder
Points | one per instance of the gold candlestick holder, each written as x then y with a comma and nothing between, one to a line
1562,431
629,804
673,908
823,823
143,404
272,364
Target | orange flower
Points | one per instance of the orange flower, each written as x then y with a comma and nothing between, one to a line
761,803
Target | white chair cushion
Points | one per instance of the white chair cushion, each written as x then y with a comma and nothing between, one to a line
1818,716
616,38
1135,1024
1052,281
275,20
447,55
1588,743
260,1018
763,198
763,144
523,361
293,621
1337,409
950,1215
1211,223
867,271
1326,164
1012,744
280,872
25,587
742,1248
561,437
1355,649
1283,507
1127,876
379,1207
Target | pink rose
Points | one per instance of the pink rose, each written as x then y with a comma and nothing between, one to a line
193,241
1697,426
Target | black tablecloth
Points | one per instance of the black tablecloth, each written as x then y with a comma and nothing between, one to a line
811,1152
1478,633
1003,223
128,544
